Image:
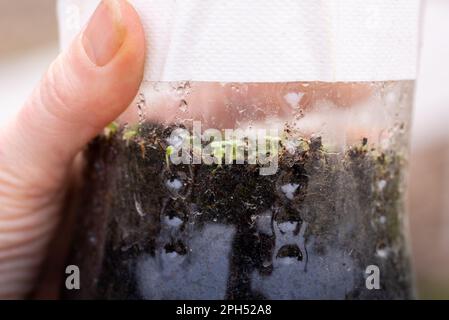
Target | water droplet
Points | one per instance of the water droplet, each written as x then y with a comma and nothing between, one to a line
382,250
177,139
287,260
290,146
382,253
288,226
182,88
173,222
140,108
266,263
289,190
235,88
183,105
197,213
174,184
293,99
172,254
381,184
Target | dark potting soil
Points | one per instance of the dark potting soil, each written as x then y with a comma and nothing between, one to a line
152,230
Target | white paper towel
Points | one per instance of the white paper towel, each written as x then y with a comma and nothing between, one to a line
270,41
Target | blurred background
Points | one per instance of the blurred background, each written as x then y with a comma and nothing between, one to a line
29,42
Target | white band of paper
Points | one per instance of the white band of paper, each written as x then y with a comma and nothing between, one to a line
270,41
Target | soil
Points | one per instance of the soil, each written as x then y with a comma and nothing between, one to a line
153,230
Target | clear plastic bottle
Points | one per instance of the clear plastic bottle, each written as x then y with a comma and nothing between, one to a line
306,200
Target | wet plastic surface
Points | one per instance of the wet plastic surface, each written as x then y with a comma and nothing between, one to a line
334,207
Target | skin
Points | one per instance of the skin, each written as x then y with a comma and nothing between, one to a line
85,88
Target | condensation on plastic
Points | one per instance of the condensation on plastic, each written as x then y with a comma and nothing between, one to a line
337,199
270,41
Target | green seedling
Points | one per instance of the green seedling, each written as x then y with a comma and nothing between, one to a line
130,133
111,129
168,152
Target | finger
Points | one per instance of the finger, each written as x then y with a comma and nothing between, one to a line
85,88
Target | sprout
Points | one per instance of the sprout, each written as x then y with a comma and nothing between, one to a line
111,129
130,133
168,152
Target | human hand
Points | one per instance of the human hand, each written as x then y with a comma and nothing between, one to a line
85,88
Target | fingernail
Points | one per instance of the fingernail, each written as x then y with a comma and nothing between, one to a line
105,33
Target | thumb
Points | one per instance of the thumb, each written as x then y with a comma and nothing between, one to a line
85,88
